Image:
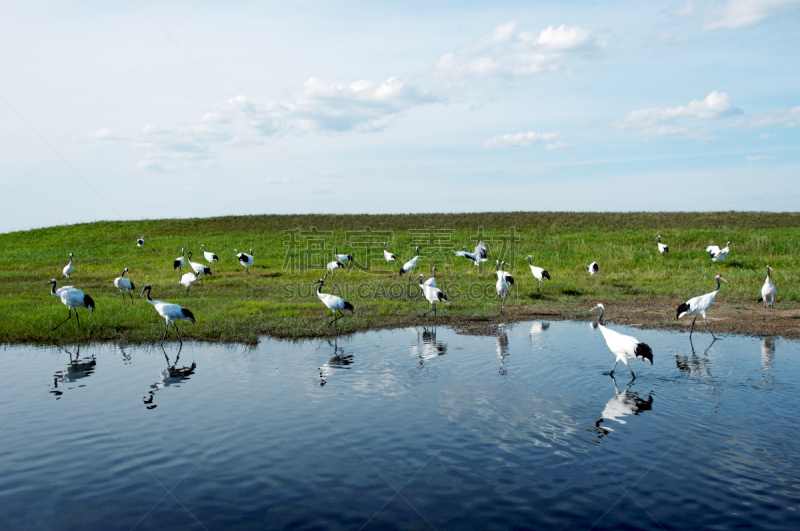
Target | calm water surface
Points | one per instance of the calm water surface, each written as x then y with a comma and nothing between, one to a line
411,428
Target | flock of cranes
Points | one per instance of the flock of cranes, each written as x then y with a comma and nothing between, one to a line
624,347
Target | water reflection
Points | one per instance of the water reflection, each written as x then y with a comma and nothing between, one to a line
340,360
539,326
125,356
430,348
502,348
694,365
622,404
76,370
767,352
172,375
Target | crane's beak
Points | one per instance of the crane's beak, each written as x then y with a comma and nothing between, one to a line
722,279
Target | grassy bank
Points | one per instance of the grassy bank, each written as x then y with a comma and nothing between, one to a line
277,298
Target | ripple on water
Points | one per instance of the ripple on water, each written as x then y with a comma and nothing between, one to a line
523,429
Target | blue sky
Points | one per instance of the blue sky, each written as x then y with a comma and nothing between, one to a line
193,109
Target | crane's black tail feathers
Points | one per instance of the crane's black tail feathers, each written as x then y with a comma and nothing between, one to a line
88,302
682,309
176,264
441,296
644,351
760,299
132,286
348,307
510,279
545,274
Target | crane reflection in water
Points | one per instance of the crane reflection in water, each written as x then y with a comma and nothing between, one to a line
694,365
77,369
622,404
502,347
430,348
340,360
767,352
172,375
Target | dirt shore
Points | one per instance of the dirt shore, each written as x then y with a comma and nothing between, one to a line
723,318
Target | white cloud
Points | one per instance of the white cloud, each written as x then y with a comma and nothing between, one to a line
775,118
103,134
766,135
506,53
736,14
681,121
755,158
526,139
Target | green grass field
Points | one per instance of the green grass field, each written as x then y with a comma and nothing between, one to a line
278,298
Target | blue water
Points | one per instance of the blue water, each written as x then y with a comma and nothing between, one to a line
409,428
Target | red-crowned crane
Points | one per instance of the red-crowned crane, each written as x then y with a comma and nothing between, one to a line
594,270
198,268
123,284
432,281
768,295
502,284
699,306
477,257
342,257
68,269
170,312
209,256
663,248
716,254
409,266
433,294
178,262
140,242
506,274
334,303
245,259
188,280
386,254
72,298
333,266
538,273
624,347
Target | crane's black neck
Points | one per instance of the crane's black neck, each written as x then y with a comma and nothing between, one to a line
767,273
319,288
718,285
600,319
53,288
530,260
147,291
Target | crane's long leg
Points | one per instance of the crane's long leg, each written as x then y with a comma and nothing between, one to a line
765,309
179,336
772,309
165,333
540,284
707,328
692,328
123,300
78,318
629,368
613,369
131,294
69,314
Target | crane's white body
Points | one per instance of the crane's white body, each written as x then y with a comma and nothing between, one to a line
72,298
333,266
623,347
334,303
387,255
502,285
477,257
124,285
594,270
209,256
768,294
699,306
431,281
68,269
432,294
178,262
662,247
409,266
341,257
245,259
716,254
538,273
188,280
198,268
170,312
